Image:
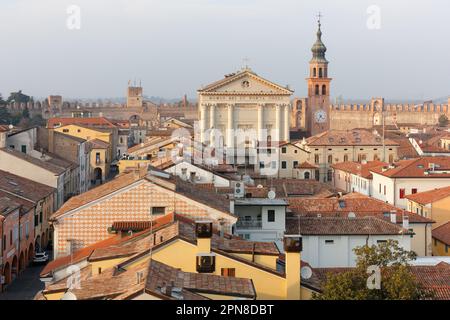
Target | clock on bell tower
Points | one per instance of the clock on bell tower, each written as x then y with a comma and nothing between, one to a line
318,119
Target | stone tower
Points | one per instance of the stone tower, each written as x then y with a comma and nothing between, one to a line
134,96
318,118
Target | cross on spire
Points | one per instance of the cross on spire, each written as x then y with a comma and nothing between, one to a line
245,61
319,16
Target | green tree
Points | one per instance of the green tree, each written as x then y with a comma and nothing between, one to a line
397,280
443,120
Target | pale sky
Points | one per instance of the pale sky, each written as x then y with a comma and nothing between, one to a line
175,46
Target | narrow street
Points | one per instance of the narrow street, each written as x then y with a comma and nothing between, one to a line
26,286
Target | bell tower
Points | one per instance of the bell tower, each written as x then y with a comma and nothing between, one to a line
318,118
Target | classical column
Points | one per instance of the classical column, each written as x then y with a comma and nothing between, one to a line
277,123
212,122
202,122
286,122
230,126
260,122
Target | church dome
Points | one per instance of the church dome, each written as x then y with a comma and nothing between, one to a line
319,49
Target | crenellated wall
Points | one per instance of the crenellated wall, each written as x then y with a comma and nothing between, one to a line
346,117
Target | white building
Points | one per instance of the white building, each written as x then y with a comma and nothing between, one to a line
197,174
354,176
261,219
241,110
329,242
394,182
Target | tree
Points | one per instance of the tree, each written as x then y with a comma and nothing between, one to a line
26,113
443,120
397,280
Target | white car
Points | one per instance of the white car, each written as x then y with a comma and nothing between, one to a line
40,257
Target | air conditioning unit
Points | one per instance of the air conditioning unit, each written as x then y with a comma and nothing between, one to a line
239,189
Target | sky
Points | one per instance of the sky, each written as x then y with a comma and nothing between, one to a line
176,46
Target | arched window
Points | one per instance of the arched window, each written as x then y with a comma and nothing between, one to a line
314,72
317,90
330,159
346,158
324,90
320,73
307,175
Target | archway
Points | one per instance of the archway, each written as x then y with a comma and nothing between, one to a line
30,253
21,262
98,174
14,268
44,240
37,244
7,273
307,175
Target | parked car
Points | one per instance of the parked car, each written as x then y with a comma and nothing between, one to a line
40,257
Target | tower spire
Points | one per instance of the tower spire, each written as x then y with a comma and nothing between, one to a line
319,48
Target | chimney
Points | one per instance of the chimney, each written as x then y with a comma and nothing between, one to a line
293,249
203,232
394,216
405,222
205,260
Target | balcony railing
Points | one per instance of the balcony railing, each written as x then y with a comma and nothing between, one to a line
249,224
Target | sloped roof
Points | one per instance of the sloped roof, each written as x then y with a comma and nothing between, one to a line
23,187
358,137
417,168
244,73
430,196
308,226
360,169
442,233
94,122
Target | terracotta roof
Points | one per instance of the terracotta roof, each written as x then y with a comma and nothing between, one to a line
442,233
359,137
360,169
430,196
160,279
307,165
23,187
342,226
7,205
49,165
131,225
287,188
417,168
357,203
102,247
161,276
98,144
26,205
95,122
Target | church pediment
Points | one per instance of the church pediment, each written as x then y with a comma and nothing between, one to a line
245,82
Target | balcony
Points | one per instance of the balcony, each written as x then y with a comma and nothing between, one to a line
249,224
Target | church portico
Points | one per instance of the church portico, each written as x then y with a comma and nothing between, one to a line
249,111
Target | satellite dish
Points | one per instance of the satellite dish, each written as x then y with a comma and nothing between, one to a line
271,194
306,272
11,127
260,186
351,215
69,296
